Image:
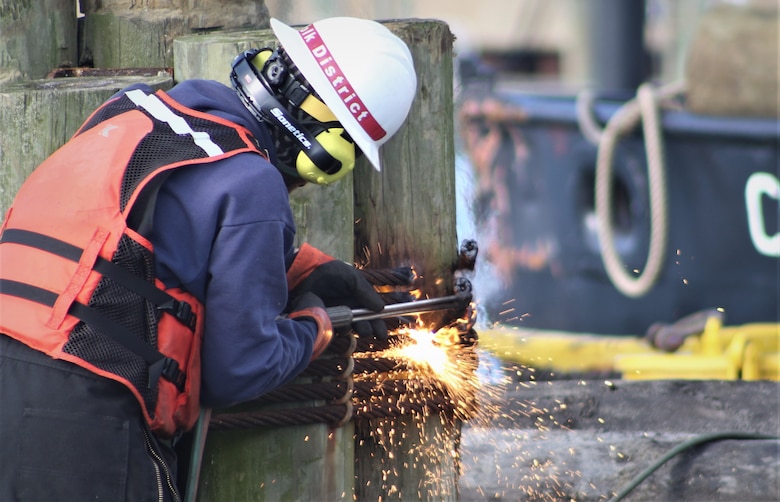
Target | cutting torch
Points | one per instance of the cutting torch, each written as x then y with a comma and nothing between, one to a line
342,316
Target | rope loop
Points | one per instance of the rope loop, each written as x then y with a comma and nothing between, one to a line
644,108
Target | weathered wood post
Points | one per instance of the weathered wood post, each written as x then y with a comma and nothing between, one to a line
406,215
36,37
292,459
122,34
39,116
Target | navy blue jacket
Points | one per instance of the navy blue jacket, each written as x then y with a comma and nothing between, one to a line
224,231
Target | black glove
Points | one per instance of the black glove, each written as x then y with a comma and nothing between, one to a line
310,306
302,302
338,283
394,286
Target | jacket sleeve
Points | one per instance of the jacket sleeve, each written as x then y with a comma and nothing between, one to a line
228,247
247,349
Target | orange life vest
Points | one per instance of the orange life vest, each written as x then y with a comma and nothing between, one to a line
77,278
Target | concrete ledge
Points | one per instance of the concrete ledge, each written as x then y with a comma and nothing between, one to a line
586,440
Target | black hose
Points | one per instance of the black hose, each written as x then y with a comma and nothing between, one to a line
682,447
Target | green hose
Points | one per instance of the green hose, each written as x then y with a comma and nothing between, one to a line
682,447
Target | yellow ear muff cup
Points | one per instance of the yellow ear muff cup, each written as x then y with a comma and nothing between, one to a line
260,58
340,148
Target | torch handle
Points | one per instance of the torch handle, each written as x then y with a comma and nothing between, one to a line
340,316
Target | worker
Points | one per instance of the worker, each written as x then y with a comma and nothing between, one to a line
148,267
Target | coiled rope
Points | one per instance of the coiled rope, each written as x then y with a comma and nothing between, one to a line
645,108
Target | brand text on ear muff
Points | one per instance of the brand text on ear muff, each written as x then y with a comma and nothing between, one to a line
297,133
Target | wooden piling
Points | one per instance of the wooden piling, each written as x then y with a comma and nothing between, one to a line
301,462
122,34
39,116
35,37
404,215
296,461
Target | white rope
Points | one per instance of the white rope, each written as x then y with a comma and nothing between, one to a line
589,128
644,107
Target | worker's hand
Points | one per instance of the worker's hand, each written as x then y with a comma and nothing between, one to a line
394,285
310,306
336,283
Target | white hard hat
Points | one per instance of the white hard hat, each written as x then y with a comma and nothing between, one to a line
361,70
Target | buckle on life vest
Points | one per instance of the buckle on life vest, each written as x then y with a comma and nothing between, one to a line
169,369
182,311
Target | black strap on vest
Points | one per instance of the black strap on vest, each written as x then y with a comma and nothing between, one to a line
159,365
182,311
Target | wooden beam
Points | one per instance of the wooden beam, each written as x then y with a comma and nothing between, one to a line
405,215
39,116
35,38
